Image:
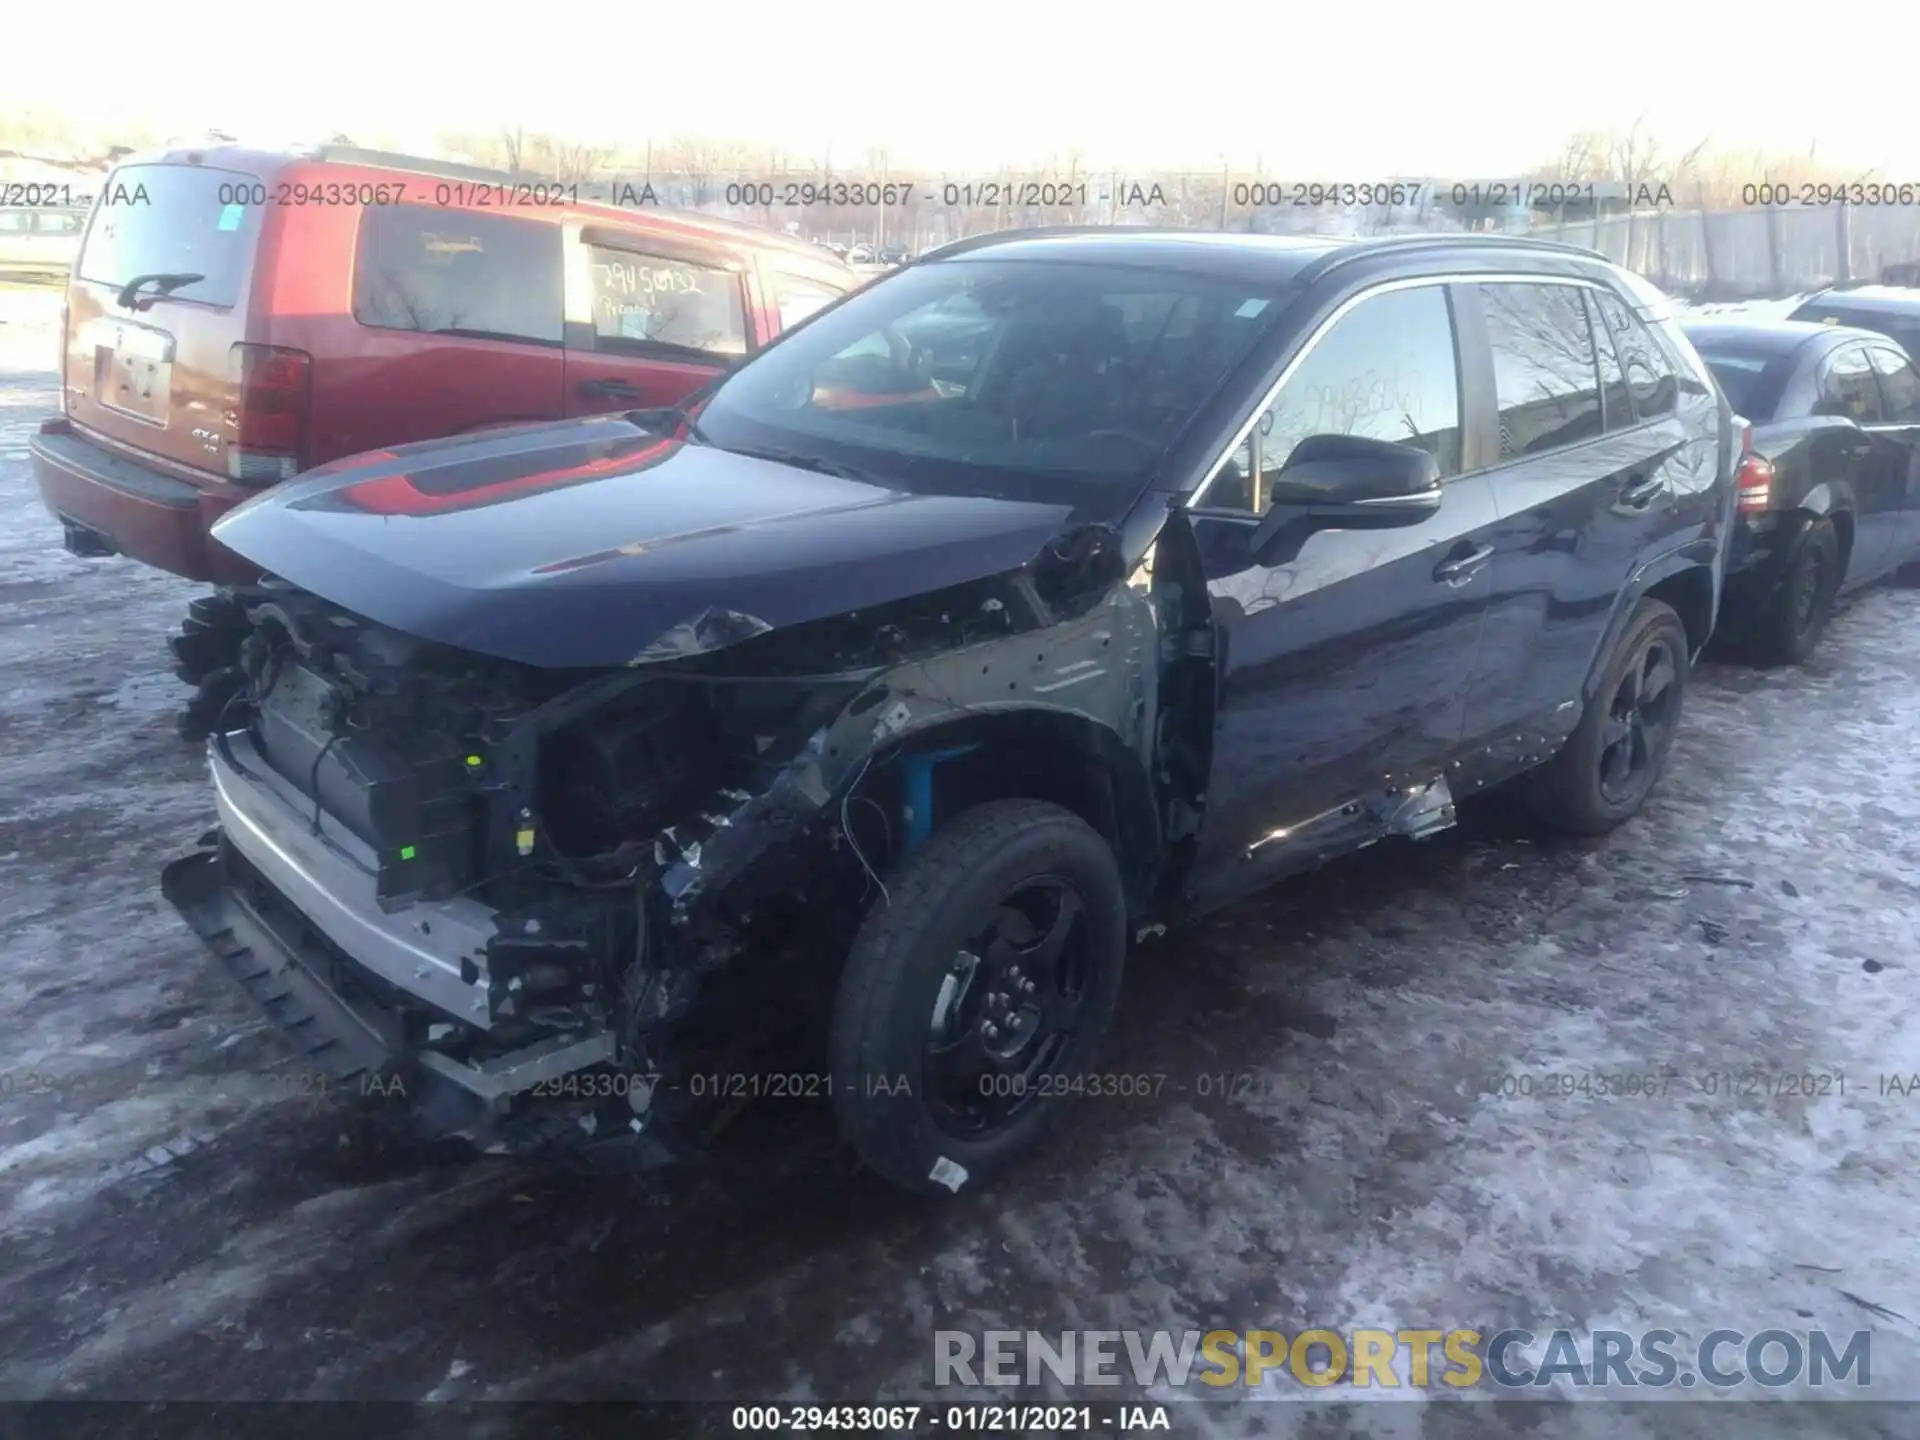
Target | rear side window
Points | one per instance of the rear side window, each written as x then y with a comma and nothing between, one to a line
798,297
1899,386
1545,380
1847,387
1650,379
454,272
643,303
174,220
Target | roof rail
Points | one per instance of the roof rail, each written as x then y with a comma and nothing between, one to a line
1351,247
1043,232
1403,244
419,164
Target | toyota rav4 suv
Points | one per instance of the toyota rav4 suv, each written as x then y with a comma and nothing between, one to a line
1056,586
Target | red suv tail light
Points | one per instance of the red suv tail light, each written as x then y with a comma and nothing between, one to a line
1753,480
272,394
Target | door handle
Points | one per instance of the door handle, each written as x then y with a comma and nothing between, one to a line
609,390
1640,491
1463,568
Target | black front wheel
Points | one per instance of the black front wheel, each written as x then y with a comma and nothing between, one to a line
1613,759
975,993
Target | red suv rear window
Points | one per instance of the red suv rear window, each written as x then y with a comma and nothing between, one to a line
174,220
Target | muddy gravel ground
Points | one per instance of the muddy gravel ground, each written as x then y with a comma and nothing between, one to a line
180,1219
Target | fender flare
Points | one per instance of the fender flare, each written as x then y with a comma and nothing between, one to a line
1692,556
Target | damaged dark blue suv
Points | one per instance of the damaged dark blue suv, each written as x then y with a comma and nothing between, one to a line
1057,584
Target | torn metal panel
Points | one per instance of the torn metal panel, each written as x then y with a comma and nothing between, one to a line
1101,666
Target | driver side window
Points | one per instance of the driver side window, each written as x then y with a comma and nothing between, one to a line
1386,370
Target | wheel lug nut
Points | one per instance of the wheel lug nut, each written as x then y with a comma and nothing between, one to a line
993,1031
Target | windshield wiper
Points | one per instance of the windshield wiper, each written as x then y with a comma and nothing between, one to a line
808,462
660,417
165,280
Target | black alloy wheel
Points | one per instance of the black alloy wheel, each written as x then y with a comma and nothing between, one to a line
1639,722
1608,766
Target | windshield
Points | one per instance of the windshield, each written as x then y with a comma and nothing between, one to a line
1008,377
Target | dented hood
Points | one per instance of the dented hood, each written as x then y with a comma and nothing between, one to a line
595,542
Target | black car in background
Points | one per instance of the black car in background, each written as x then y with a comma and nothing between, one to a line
1830,488
1180,563
1891,309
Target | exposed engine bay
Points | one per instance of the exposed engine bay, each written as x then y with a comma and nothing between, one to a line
553,865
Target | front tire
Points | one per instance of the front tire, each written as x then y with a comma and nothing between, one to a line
975,994
1614,758
1788,630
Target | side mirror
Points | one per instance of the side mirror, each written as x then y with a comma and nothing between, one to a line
1345,482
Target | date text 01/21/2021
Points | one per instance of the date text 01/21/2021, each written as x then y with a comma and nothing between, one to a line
1089,1085
1667,1084
930,1419
960,194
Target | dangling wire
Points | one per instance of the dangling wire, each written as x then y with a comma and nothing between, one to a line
313,778
846,824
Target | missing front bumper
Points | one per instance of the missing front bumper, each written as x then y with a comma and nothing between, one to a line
320,1000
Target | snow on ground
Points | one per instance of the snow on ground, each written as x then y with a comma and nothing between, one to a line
179,1217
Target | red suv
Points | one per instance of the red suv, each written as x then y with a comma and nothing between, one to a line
237,316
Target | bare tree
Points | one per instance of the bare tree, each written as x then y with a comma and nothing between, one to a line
513,143
570,162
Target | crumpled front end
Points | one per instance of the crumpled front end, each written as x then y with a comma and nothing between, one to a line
562,908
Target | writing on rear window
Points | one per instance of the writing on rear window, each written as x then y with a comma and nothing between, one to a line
642,301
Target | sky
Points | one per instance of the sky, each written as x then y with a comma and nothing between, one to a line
1325,92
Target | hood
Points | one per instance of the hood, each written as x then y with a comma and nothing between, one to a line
596,543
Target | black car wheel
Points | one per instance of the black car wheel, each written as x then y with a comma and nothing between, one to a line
1787,631
1613,759
975,993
